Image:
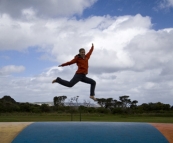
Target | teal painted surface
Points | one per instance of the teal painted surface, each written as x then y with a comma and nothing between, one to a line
90,132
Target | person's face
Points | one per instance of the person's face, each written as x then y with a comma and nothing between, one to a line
82,53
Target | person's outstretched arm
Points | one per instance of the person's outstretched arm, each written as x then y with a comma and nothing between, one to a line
68,63
90,51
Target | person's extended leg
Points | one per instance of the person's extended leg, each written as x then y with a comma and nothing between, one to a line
92,88
72,82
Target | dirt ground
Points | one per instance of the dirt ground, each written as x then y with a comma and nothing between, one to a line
9,130
165,129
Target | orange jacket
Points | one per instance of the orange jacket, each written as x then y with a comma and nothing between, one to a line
81,63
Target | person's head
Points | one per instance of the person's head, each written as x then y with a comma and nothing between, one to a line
82,52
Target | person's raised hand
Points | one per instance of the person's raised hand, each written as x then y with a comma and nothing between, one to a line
92,45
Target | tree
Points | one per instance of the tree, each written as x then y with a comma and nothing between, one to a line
59,101
166,107
101,102
7,98
76,99
150,107
125,101
171,107
109,103
73,101
133,104
114,103
25,107
144,107
119,104
8,104
87,103
45,108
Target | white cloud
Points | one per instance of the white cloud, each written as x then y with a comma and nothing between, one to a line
130,58
149,50
170,2
166,4
51,8
5,57
6,70
63,37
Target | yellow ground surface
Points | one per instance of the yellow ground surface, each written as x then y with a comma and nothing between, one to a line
165,129
9,130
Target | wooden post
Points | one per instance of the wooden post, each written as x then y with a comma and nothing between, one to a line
72,116
80,115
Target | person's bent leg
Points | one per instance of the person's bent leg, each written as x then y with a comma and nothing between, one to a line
92,87
70,83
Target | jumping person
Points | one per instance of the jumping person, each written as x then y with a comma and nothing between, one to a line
82,62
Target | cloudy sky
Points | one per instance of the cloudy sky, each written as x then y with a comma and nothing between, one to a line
133,42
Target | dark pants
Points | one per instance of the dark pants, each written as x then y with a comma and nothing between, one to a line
76,79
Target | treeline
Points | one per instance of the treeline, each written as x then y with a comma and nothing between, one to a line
107,105
110,105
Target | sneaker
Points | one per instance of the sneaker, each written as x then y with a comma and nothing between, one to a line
54,81
93,98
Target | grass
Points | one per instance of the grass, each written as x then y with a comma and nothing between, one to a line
40,117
